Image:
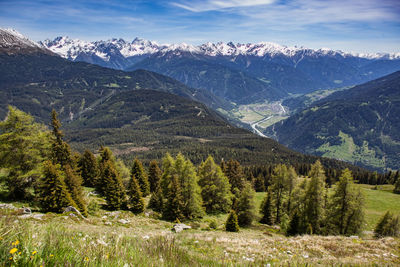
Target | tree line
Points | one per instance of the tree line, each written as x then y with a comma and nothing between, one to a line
37,164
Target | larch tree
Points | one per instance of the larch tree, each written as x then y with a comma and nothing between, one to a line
388,225
235,174
345,210
154,175
246,206
215,187
24,146
140,175
279,189
174,205
314,199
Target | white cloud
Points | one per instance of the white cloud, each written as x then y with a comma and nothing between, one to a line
201,6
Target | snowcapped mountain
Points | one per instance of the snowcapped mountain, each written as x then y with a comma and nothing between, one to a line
12,42
72,48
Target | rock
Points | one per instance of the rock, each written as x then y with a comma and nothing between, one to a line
38,216
7,206
108,223
25,216
73,209
25,210
354,237
123,221
179,227
146,237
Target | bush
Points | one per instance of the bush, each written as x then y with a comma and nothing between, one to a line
232,224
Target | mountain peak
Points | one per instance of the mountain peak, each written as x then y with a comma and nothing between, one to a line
13,42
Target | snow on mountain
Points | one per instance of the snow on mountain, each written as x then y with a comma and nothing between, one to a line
71,48
10,37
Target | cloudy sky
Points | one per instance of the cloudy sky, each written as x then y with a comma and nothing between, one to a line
349,25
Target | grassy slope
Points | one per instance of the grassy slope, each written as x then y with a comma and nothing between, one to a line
147,241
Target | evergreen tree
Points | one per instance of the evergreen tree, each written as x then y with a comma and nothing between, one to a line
114,190
51,192
388,225
345,213
231,224
154,175
245,206
235,175
156,201
174,205
140,175
266,209
259,183
294,227
105,158
61,152
136,203
314,198
397,184
216,191
24,145
74,186
89,169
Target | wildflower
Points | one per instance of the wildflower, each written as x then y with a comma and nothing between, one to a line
15,243
86,259
51,255
34,252
11,258
13,250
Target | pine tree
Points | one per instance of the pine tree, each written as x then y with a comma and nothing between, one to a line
245,206
154,175
24,145
388,225
74,186
292,179
232,224
136,203
89,169
345,213
114,190
173,206
235,175
215,187
156,201
314,198
61,152
138,172
266,209
52,193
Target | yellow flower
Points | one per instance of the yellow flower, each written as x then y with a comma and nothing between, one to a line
86,259
34,252
11,258
19,253
13,250
15,243
51,255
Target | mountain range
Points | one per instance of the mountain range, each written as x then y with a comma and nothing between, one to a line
240,73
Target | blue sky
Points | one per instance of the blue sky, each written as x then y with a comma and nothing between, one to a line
349,25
